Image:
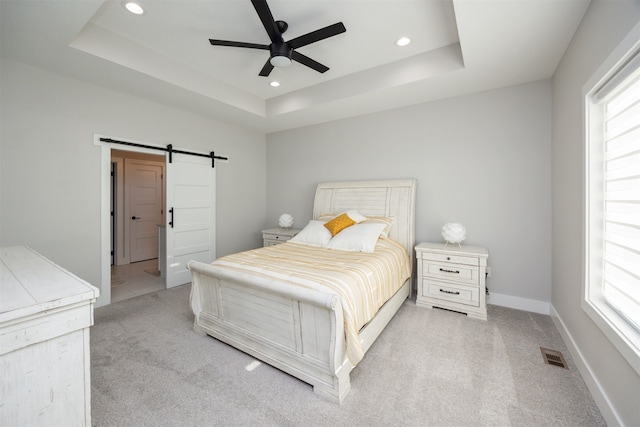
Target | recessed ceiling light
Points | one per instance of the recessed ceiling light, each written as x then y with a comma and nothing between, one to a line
403,41
133,7
274,84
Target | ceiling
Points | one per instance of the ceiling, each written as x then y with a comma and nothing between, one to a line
458,47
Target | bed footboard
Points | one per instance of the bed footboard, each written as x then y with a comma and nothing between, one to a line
297,330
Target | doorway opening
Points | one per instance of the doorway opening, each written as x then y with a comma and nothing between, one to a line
138,194
187,225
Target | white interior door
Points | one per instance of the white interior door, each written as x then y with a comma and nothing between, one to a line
145,204
191,183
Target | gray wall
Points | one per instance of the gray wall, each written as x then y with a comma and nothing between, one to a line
607,373
482,160
50,168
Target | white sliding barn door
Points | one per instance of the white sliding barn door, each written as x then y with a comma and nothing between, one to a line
190,215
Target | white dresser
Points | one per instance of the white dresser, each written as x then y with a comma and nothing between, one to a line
45,315
453,278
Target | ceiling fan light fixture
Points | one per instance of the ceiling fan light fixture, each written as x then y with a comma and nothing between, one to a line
280,61
283,52
403,41
133,7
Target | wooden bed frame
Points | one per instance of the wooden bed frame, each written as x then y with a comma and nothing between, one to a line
298,330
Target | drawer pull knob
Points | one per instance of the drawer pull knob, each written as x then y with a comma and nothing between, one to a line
449,271
450,292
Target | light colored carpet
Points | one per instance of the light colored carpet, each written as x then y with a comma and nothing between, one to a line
428,368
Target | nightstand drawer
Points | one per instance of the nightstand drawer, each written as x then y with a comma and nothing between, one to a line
468,295
275,238
456,259
454,272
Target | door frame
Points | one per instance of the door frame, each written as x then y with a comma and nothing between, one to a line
120,253
105,210
105,204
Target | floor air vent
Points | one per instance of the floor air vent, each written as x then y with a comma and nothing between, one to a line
553,357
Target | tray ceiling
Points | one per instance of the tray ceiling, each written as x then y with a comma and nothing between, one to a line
457,47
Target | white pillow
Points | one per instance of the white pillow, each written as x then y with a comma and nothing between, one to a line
381,220
357,238
313,234
356,216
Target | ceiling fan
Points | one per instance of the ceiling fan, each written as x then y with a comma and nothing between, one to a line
282,52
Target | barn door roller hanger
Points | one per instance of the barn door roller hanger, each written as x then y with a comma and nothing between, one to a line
169,149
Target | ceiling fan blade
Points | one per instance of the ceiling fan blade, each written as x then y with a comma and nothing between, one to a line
266,70
305,60
317,35
262,8
215,42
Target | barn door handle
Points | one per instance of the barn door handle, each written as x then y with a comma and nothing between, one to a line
171,222
135,217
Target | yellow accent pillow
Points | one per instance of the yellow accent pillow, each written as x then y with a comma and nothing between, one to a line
339,223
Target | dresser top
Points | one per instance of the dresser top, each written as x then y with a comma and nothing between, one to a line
453,249
30,283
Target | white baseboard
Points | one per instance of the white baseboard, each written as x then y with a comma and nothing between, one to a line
606,408
525,304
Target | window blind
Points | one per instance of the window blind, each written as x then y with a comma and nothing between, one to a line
621,279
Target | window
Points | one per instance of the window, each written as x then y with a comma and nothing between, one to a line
612,194
621,239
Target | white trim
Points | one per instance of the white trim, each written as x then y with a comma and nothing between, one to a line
615,328
597,391
121,256
623,337
105,217
105,226
519,303
622,53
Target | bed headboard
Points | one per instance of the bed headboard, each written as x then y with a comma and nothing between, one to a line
390,198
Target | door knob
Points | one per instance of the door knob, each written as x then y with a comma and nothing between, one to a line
135,217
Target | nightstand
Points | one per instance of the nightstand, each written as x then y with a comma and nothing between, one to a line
453,278
273,236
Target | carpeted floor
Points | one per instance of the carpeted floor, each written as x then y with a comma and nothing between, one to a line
428,368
